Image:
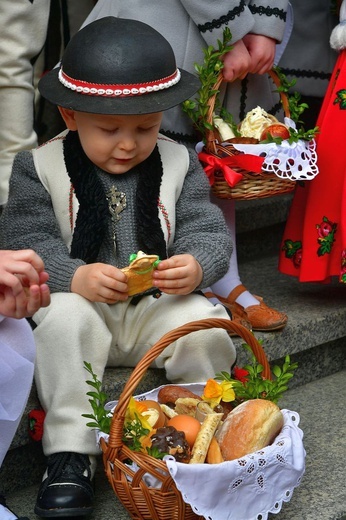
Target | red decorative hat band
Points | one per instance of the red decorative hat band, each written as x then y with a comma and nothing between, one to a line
135,89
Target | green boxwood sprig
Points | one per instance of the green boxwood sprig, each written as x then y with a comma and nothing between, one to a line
197,108
255,386
100,418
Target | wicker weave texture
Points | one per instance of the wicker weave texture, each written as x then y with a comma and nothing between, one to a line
141,501
253,185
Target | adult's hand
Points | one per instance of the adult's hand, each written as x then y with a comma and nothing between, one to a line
23,288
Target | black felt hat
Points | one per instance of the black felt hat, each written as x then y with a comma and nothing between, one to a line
118,66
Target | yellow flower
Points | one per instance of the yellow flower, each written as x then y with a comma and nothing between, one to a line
214,392
228,393
135,411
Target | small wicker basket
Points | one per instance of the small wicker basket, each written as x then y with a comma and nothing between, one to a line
143,502
253,185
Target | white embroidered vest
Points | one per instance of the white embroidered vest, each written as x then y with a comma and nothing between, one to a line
51,169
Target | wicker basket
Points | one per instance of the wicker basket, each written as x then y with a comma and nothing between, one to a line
141,501
253,185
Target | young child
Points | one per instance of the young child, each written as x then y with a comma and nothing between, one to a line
86,200
256,33
23,290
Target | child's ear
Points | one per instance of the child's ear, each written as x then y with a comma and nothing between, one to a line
68,116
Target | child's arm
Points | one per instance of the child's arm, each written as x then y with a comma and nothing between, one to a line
201,230
245,23
253,54
23,288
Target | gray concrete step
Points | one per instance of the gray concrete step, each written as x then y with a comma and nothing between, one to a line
322,493
260,225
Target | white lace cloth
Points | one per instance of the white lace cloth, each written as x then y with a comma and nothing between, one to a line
248,488
244,489
296,161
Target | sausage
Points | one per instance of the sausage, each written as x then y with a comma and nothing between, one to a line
170,393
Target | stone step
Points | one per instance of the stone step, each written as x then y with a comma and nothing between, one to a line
321,494
261,213
260,225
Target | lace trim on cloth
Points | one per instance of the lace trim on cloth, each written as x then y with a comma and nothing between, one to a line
223,20
268,11
296,161
268,476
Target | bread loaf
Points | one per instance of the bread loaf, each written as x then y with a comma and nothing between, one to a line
214,455
251,426
140,273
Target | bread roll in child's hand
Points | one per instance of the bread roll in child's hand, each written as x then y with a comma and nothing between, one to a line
140,272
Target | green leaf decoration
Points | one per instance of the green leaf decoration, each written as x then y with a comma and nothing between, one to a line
256,387
100,417
208,73
341,99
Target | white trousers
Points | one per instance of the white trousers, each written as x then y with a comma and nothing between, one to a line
17,354
73,330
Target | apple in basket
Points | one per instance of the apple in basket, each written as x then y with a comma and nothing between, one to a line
275,130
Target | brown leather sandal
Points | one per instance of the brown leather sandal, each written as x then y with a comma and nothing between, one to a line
261,317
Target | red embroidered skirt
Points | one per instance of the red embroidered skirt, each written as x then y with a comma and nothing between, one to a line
314,242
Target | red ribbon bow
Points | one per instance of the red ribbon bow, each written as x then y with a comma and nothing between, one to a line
212,163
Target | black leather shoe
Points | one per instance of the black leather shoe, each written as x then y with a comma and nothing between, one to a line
67,491
5,509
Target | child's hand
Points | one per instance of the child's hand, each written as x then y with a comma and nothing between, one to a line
100,283
180,274
23,288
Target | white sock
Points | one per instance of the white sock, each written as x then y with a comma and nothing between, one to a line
6,514
231,279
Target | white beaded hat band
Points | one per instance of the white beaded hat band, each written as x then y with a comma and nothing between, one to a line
137,89
118,66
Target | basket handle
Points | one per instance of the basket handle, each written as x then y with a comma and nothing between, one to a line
117,423
210,134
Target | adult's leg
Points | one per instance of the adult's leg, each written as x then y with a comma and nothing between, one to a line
17,355
23,33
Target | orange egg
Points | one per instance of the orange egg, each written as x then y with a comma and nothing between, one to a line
187,424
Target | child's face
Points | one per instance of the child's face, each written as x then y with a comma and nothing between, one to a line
115,143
